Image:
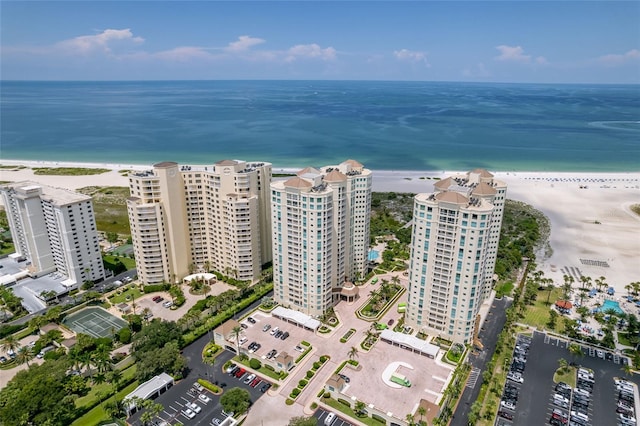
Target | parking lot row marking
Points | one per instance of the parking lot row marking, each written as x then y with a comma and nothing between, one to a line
473,377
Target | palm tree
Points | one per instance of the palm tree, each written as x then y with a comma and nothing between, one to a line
566,287
235,334
549,284
410,419
628,369
353,353
359,407
114,377
10,343
563,364
575,350
422,411
24,354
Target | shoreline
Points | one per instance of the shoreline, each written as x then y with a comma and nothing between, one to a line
589,212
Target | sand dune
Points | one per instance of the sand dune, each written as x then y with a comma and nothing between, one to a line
593,231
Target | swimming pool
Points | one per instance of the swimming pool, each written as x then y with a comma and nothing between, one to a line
373,254
611,304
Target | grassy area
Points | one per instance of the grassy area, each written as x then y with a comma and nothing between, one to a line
537,315
567,375
97,414
623,339
110,207
9,167
132,292
127,261
7,248
349,412
92,396
504,289
68,171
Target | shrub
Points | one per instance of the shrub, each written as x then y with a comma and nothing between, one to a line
207,384
289,401
269,367
305,343
345,402
327,395
255,364
295,392
302,383
152,288
310,374
353,362
314,405
324,358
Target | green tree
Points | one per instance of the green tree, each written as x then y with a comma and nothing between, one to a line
24,355
360,408
553,319
155,335
165,359
353,353
10,343
235,334
303,421
575,350
236,400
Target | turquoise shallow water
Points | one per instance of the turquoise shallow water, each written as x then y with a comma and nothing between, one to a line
385,125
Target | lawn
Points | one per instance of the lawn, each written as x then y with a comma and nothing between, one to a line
97,414
568,376
127,261
504,289
90,398
623,339
7,248
132,292
349,412
537,315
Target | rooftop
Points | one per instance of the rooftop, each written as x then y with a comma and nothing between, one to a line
56,196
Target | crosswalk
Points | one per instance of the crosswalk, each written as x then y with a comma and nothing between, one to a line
473,377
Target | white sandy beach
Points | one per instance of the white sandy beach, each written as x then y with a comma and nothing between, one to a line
576,239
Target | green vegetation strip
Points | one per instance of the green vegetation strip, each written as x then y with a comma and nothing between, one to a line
97,414
349,412
68,171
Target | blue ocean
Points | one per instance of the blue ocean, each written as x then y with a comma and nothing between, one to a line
384,125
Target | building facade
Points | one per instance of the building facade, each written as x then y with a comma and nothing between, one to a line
186,219
320,234
55,231
454,244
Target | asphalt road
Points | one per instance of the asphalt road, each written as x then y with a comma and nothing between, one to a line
173,399
321,415
489,337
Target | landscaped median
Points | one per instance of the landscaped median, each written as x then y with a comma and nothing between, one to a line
317,365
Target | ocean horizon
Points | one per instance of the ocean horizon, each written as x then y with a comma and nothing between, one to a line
386,125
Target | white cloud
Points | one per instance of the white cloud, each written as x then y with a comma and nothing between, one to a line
411,56
512,53
98,42
613,60
183,54
243,43
480,71
310,51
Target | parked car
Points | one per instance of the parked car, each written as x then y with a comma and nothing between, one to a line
249,378
345,378
266,327
284,335
265,387
251,320
204,398
198,386
188,413
168,304
508,405
505,415
193,406
255,382
240,372
230,368
274,330
299,348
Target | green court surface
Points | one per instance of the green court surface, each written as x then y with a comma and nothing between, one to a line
94,321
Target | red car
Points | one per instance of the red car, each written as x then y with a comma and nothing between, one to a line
255,382
240,372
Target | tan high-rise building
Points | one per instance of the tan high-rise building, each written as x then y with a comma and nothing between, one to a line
54,230
320,228
454,244
186,219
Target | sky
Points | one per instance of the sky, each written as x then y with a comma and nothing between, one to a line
474,41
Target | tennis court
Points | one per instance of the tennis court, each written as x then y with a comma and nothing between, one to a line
94,321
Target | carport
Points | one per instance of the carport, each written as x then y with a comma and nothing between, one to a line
297,318
151,388
409,343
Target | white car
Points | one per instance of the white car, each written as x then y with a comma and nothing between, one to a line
204,398
299,348
229,368
249,379
508,405
515,377
193,406
188,413
168,304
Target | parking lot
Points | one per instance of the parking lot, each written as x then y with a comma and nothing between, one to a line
322,414
595,400
176,400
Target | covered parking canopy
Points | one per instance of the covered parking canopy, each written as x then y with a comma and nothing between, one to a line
410,343
152,387
295,317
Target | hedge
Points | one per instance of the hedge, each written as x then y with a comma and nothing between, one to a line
305,343
310,374
302,383
152,288
255,363
207,384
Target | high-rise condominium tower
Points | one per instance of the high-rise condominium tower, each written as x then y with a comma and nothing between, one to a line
186,219
454,243
55,230
320,228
